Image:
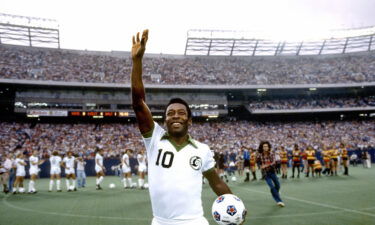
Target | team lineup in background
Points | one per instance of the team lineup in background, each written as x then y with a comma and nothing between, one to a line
308,162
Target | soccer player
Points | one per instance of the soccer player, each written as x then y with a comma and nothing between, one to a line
284,162
334,160
296,155
318,168
126,170
246,163
327,160
99,168
68,164
55,161
20,174
253,166
344,156
34,170
266,159
176,161
310,156
142,168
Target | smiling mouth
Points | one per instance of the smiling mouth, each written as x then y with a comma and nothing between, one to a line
176,125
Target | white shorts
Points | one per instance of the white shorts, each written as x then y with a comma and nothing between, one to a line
69,171
20,173
98,169
142,168
198,221
55,171
125,169
33,171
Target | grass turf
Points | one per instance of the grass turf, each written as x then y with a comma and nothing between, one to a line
326,200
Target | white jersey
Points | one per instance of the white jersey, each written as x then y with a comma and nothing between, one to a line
125,160
20,167
125,164
34,162
69,162
55,161
98,163
141,160
141,163
98,160
175,176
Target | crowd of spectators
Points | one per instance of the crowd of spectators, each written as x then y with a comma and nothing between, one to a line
85,66
313,103
83,138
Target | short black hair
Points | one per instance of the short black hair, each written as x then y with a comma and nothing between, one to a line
180,101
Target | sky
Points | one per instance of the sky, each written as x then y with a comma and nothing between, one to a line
108,25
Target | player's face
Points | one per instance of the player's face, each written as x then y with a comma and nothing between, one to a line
177,120
266,147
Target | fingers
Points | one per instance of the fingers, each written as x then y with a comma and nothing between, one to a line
144,37
133,40
138,37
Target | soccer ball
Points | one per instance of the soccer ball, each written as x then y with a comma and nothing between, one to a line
228,209
112,185
234,179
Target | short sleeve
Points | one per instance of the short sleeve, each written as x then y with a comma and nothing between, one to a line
157,134
208,161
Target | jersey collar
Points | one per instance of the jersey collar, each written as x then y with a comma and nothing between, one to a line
190,141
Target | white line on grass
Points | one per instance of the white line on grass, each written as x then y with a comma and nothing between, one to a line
315,203
70,215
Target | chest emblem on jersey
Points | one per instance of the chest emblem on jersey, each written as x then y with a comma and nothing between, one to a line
196,162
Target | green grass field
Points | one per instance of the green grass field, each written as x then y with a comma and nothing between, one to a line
337,200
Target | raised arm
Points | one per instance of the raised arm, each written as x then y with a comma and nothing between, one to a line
142,112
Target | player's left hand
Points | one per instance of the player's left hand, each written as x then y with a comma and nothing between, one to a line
139,45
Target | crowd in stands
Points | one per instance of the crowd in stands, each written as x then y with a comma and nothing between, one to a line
313,103
83,139
84,66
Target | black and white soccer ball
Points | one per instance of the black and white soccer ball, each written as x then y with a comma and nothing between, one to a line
228,209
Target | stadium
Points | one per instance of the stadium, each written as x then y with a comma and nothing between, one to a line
241,90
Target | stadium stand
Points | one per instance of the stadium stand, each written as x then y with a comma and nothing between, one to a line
83,66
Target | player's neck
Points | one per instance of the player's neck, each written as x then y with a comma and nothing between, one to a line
179,140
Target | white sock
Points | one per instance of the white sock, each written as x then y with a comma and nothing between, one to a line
101,179
74,183
67,184
31,185
139,183
51,185
97,181
124,182
22,190
130,182
58,184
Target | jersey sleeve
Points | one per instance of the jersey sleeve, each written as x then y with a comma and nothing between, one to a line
208,161
150,142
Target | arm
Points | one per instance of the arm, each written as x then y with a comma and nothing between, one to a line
217,184
142,112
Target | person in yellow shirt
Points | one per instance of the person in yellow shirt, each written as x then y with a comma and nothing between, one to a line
284,162
345,158
310,156
318,168
296,157
327,160
334,160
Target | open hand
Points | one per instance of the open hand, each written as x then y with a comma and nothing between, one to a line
139,45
